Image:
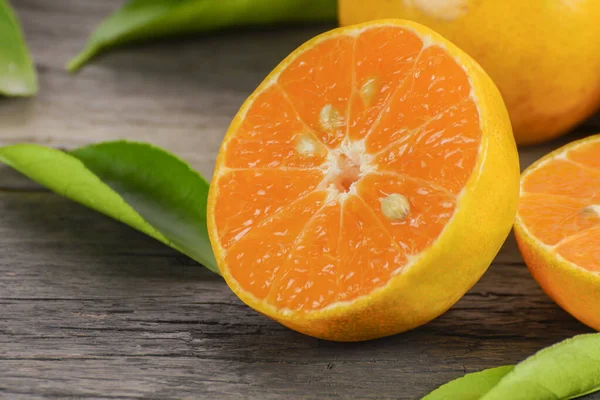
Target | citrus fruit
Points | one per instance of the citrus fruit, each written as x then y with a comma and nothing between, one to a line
543,55
365,185
558,227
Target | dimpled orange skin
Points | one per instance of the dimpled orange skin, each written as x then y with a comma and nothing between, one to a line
447,269
575,288
544,55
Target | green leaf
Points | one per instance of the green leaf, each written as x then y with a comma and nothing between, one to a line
564,371
137,184
147,19
567,370
471,386
17,73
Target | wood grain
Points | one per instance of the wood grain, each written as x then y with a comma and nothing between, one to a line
92,309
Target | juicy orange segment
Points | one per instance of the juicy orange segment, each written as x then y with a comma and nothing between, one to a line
443,150
272,135
270,244
430,209
345,167
368,255
307,81
583,249
308,277
376,80
579,181
436,84
248,197
555,218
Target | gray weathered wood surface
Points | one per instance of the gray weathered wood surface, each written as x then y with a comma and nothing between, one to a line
92,309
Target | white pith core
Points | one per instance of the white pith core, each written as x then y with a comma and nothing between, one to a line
344,167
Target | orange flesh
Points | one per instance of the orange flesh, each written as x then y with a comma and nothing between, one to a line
349,122
558,204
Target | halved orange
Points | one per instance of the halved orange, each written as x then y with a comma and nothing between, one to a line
558,227
365,185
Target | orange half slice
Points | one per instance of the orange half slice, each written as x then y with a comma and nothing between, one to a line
365,185
558,227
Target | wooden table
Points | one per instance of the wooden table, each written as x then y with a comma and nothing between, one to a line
90,308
